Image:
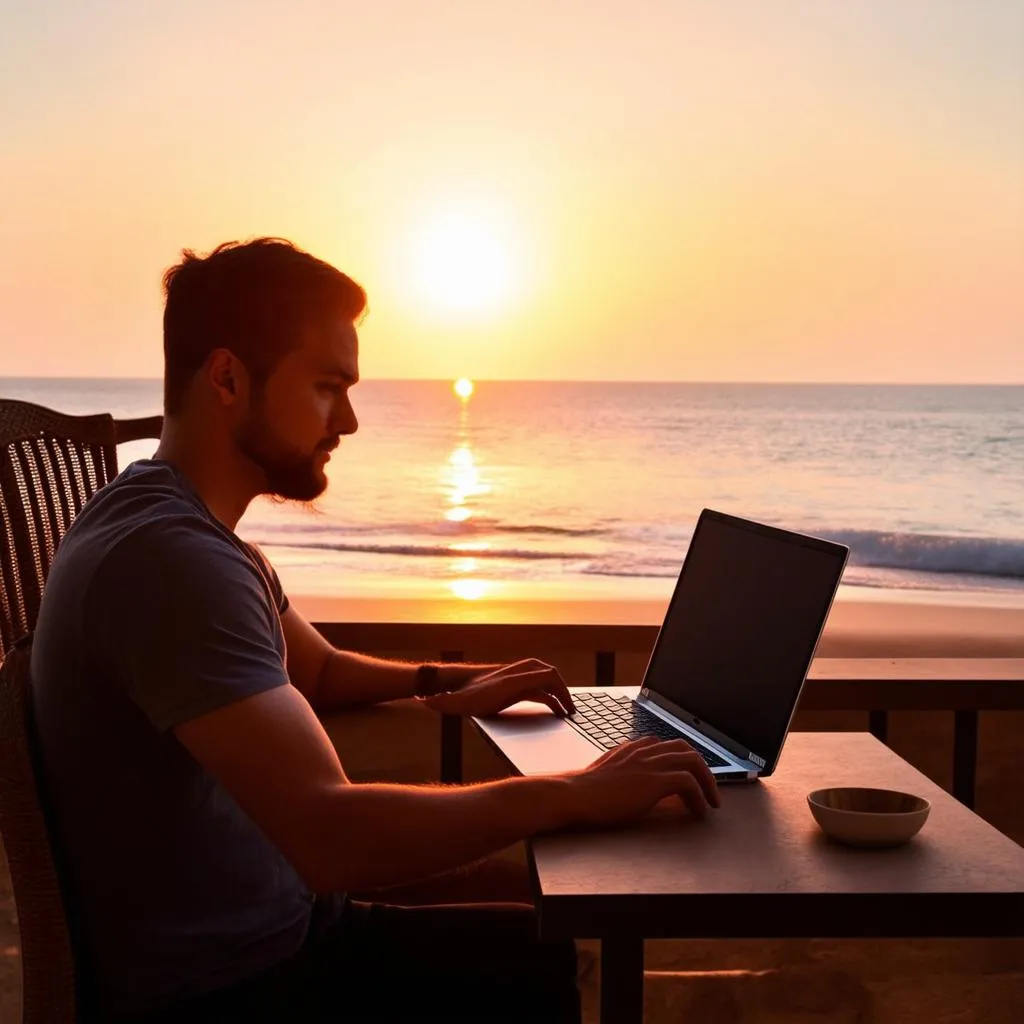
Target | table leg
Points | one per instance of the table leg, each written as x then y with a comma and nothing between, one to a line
622,980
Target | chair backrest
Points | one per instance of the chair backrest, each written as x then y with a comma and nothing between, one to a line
50,465
48,969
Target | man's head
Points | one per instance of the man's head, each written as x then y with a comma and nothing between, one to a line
262,335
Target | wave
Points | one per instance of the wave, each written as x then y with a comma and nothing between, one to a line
471,527
659,557
933,553
645,572
549,531
435,551
874,549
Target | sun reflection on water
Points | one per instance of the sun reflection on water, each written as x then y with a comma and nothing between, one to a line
464,486
463,483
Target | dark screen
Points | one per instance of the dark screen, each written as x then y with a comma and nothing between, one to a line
742,626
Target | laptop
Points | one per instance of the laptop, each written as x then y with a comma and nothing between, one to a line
726,671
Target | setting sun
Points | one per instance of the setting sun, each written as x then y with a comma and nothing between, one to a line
465,260
469,589
463,388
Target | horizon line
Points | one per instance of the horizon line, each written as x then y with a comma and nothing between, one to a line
574,380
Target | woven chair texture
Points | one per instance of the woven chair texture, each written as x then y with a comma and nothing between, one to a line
50,465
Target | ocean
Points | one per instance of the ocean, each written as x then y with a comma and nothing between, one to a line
592,489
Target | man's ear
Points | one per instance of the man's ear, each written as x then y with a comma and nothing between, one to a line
227,375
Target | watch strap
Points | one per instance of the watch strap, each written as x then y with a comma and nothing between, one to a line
428,680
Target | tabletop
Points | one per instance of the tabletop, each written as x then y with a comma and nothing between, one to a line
759,866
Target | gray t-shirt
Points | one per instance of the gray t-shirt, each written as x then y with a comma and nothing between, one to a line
155,613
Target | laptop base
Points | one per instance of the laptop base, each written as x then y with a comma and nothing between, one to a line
536,742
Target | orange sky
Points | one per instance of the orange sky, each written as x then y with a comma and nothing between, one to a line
653,190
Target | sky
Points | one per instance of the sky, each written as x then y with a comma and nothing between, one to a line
801,190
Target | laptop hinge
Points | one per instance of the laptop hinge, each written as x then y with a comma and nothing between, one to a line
645,700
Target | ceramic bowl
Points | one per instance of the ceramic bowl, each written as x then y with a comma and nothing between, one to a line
868,817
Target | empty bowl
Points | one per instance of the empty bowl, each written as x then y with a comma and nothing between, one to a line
868,817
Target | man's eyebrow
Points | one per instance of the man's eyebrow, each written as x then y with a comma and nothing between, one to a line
337,371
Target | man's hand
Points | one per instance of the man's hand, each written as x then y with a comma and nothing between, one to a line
627,781
491,692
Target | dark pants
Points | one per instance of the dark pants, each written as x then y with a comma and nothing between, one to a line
460,962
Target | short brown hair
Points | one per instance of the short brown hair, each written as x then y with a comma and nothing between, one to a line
253,298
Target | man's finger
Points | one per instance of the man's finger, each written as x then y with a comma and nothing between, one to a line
557,685
689,790
693,763
642,743
561,694
538,677
543,697
507,689
561,691
673,746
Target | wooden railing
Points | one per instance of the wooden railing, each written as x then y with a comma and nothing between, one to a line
961,686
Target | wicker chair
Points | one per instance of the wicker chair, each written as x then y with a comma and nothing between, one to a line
50,465
49,981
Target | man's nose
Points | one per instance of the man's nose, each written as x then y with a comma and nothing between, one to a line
346,420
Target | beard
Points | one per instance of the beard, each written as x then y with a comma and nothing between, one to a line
288,473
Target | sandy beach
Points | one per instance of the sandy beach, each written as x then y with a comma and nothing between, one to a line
863,623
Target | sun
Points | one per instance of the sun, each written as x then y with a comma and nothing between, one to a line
465,260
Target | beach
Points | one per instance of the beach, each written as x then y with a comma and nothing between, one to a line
917,624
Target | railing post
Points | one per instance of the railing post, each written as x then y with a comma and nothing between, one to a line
965,755
451,735
604,668
622,979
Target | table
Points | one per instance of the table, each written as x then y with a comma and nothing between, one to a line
759,867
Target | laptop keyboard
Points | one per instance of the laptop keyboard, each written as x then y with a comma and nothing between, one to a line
609,721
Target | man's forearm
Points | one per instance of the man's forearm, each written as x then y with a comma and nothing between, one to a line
374,834
348,679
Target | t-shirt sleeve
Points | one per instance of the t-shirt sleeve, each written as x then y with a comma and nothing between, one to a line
181,620
273,580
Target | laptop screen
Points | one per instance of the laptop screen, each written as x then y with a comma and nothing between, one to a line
742,627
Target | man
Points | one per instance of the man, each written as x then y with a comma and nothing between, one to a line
210,833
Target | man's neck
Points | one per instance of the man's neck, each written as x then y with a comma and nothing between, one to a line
225,487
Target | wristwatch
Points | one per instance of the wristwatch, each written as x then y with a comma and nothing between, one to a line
428,680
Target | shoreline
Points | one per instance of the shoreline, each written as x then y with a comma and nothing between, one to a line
475,588
890,624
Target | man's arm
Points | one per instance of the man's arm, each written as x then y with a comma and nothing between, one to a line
272,755
331,679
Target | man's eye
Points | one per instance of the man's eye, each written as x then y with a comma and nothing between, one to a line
334,389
